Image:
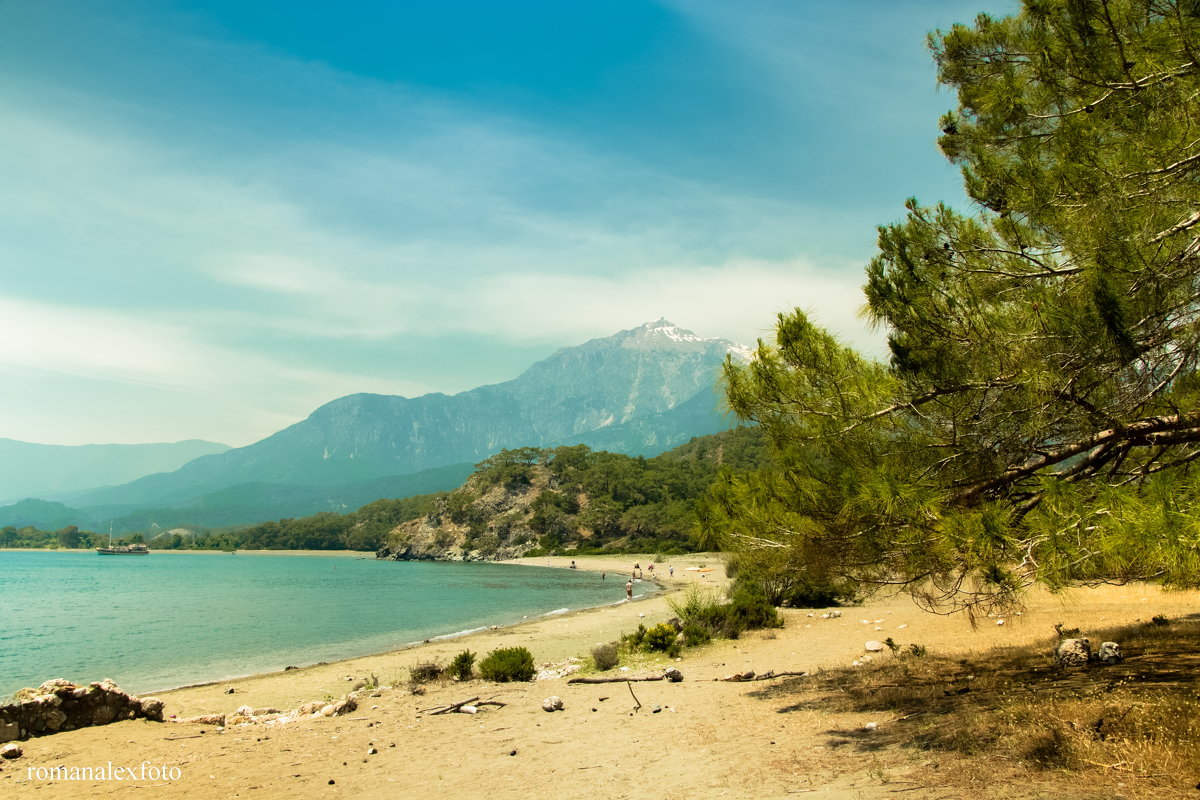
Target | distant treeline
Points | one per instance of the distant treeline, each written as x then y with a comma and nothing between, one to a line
640,501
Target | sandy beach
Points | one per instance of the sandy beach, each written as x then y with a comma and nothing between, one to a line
707,739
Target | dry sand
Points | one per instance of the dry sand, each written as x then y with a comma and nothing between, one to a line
709,739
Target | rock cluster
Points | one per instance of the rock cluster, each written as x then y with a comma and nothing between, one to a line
1078,652
59,705
245,715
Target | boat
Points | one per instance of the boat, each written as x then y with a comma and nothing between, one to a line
122,549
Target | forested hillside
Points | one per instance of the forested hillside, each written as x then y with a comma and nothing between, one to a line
531,501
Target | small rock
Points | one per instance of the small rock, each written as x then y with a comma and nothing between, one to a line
372,751
873,646
230,690
673,675
1073,652
870,726
1109,653
152,708
999,622
655,709
552,703
11,750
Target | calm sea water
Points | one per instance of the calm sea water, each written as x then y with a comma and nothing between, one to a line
168,619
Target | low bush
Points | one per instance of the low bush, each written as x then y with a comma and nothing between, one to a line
660,638
463,666
426,671
605,656
508,664
695,634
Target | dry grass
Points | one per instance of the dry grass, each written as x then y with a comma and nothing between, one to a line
1126,730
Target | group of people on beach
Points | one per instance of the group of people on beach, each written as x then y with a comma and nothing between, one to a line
636,575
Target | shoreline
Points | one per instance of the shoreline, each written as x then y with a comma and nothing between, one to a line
704,737
303,683
614,565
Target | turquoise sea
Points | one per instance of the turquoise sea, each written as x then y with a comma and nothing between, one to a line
170,619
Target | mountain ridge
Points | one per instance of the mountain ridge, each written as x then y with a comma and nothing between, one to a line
639,391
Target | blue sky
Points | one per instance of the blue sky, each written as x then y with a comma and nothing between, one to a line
217,215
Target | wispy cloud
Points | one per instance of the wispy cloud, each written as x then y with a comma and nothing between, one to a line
230,222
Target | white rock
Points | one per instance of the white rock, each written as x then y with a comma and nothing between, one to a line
552,703
873,646
870,726
999,622
11,750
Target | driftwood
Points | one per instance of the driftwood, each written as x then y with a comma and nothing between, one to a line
629,686
746,677
453,706
462,706
615,680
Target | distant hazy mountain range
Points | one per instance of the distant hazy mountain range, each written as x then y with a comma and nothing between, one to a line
47,470
640,391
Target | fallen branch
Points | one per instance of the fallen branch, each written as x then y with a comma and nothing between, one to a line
615,680
635,698
452,706
745,677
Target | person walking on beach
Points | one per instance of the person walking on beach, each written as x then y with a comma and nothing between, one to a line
629,589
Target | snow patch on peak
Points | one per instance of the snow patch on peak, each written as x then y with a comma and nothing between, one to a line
662,327
741,351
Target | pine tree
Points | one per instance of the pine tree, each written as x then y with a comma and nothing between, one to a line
1037,420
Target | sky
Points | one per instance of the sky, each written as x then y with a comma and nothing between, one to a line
217,215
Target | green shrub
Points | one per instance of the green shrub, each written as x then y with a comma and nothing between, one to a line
695,634
660,637
605,656
508,664
463,666
635,640
692,602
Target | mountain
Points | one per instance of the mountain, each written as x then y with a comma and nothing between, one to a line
640,391
46,470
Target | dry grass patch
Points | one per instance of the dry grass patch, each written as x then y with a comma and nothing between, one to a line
1131,729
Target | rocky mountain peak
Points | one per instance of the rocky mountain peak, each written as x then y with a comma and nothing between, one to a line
664,334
